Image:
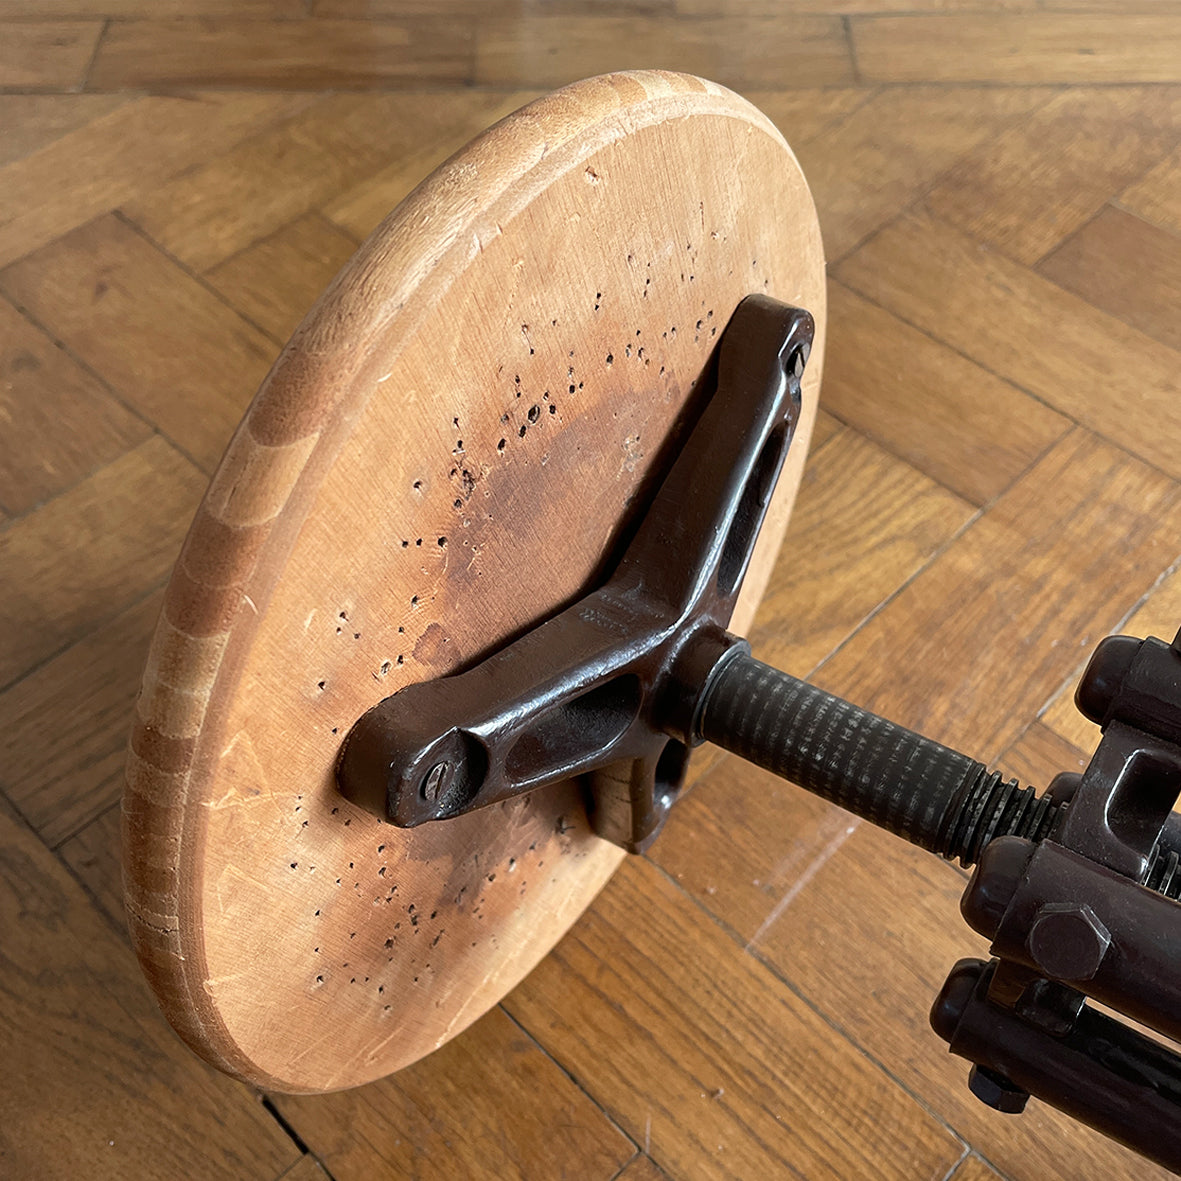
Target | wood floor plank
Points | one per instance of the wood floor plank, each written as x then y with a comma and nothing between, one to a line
166,344
702,1056
643,1168
60,423
262,184
106,1090
1044,178
1019,47
1027,330
1111,6
445,1117
275,282
93,854
64,727
867,169
1156,197
848,7
888,915
46,55
802,115
1034,575
1040,754
30,121
1066,722
863,524
96,167
479,9
82,558
295,54
948,417
1126,267
133,9
307,1168
742,841
445,124
975,1169
538,49
957,550
826,427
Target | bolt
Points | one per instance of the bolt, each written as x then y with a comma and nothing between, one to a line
1067,941
997,1091
436,781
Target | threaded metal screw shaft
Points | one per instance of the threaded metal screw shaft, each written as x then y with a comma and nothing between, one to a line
929,794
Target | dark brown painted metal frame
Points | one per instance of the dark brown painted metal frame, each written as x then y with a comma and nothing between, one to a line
607,688
1076,888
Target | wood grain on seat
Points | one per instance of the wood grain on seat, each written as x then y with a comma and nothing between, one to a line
442,456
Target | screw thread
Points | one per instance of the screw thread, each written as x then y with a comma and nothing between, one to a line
992,807
1164,875
929,794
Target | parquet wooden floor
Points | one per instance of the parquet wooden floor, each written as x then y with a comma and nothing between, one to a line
993,486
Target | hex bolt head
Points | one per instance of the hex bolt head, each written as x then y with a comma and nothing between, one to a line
1067,941
997,1091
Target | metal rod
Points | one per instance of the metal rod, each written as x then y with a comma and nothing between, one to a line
1099,1071
929,794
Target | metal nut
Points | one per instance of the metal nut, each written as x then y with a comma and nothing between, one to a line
1067,941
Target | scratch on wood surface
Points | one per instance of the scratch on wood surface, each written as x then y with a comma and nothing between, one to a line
239,878
832,824
239,736
329,1032
809,873
161,928
209,984
233,798
460,1016
376,1050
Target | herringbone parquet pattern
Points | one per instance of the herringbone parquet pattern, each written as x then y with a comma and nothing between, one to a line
993,486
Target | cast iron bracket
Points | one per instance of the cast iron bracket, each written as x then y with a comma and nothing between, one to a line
598,689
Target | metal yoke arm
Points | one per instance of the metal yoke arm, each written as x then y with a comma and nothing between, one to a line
596,686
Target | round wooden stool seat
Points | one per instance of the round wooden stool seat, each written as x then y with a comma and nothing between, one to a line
440,458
